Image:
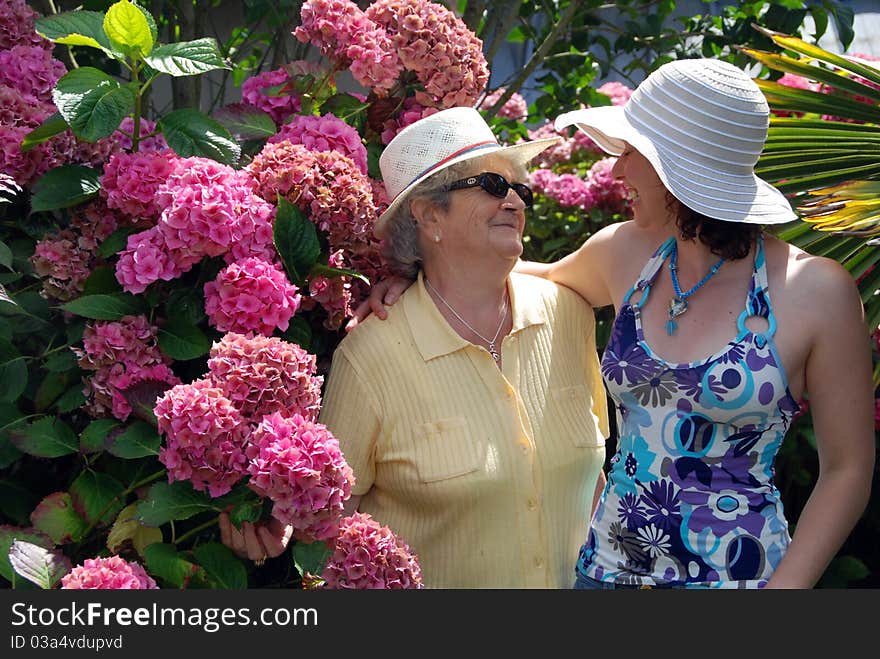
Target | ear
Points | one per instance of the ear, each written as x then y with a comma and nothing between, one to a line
425,212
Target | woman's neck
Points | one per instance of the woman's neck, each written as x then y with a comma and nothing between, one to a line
480,287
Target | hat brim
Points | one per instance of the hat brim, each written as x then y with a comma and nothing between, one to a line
719,195
519,154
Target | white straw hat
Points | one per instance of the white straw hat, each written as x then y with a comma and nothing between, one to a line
702,124
436,142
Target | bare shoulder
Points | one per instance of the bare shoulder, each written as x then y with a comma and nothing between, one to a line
807,279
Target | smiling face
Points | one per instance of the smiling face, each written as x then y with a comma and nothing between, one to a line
476,224
647,191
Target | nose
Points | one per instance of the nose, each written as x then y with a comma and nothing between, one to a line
617,167
513,201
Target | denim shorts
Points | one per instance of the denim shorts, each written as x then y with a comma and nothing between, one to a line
588,583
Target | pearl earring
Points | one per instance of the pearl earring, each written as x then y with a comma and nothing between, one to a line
436,237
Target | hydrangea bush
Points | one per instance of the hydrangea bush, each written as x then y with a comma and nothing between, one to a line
172,286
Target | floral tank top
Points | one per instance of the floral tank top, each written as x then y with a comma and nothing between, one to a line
690,499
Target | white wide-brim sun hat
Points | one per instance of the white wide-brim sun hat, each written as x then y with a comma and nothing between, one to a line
702,124
436,142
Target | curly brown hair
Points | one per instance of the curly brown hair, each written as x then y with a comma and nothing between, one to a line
729,240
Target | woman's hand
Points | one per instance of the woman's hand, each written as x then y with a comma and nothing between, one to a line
385,292
255,541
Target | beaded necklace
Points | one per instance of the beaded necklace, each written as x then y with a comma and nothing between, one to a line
678,304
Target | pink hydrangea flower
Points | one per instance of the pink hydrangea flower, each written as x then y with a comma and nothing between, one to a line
146,259
111,573
327,186
410,113
617,91
367,555
297,463
262,375
121,353
17,23
251,296
438,47
207,208
326,133
344,34
25,167
31,70
556,154
514,108
609,193
332,293
569,190
66,258
205,437
131,180
278,106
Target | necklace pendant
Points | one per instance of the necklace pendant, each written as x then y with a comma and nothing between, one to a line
677,307
494,352
671,326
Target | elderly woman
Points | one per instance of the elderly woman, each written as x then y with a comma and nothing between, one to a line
720,332
474,418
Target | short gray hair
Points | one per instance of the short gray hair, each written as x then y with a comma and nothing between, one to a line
400,248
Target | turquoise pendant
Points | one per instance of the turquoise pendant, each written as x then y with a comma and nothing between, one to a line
671,326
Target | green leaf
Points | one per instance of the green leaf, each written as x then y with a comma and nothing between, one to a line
39,565
343,106
127,529
186,305
163,561
296,240
45,131
8,535
311,557
94,437
102,281
139,440
48,437
322,270
5,255
93,103
96,494
104,307
56,517
192,133
13,372
128,29
299,332
60,362
70,400
65,186
187,58
173,501
77,28
17,501
116,241
181,341
246,511
223,568
52,386
245,121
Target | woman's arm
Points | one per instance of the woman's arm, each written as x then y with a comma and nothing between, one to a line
587,271
839,385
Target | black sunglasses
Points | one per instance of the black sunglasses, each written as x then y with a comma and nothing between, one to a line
496,185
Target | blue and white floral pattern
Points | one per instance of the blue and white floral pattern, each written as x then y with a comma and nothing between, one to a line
690,500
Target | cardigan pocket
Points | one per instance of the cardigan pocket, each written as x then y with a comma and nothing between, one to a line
572,408
446,449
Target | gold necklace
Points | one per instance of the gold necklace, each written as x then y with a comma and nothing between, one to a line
492,349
